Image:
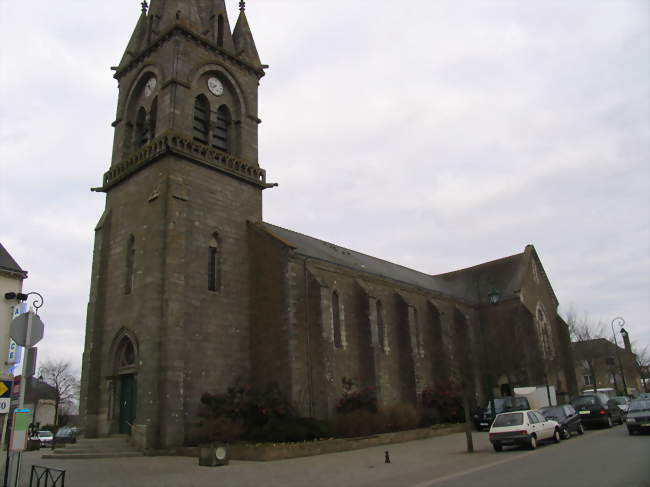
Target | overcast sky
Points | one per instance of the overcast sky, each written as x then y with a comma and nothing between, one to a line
434,134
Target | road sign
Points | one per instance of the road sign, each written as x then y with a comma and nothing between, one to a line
5,396
5,388
18,441
27,329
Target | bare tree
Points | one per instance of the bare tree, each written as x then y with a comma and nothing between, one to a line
584,336
643,366
59,375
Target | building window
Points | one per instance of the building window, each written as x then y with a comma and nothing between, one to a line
153,118
544,333
221,130
214,265
336,320
589,380
141,128
127,354
418,334
381,327
130,262
220,31
201,119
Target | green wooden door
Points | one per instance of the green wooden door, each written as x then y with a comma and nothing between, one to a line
127,402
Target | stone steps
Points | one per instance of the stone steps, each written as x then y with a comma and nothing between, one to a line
86,448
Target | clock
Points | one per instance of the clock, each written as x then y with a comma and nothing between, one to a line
215,86
150,86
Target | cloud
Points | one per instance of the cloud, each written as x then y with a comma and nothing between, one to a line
434,134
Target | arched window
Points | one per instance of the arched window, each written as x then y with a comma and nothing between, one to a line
220,31
381,328
130,262
126,354
214,264
201,119
544,333
419,342
153,118
336,320
141,128
220,134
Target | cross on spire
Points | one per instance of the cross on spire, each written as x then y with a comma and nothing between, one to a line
242,5
145,6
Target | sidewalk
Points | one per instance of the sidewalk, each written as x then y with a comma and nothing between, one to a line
410,463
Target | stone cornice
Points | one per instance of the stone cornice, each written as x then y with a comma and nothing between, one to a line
194,151
204,42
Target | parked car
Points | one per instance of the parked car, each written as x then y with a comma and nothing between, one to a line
483,417
64,435
44,437
623,403
523,428
567,417
594,409
638,416
644,395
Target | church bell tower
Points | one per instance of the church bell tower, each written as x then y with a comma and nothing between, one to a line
168,315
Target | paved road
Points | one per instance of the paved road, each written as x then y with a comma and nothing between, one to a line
607,458
600,458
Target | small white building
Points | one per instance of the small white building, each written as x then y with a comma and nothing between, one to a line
11,281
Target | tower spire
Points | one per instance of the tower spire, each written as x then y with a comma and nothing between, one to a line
243,38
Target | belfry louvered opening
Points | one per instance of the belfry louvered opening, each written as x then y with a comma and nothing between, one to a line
201,125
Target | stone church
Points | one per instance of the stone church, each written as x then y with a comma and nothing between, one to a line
191,289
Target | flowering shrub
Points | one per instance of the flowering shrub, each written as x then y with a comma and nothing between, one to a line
245,414
355,399
444,404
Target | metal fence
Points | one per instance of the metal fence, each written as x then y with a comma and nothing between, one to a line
46,477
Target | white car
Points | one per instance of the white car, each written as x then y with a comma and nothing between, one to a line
523,428
44,437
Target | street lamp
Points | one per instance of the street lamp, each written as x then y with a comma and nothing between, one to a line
37,303
620,322
493,298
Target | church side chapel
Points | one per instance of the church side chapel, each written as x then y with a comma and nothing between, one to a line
192,291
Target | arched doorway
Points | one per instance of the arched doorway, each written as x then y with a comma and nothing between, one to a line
126,384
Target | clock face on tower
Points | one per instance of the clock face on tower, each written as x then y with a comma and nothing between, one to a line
150,86
215,86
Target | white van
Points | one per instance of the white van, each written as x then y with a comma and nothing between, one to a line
609,391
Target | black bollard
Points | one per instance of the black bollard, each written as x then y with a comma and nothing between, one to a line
387,458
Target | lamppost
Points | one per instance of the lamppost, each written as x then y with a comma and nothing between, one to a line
493,298
620,322
33,332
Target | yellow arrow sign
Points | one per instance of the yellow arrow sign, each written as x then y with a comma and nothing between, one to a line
3,389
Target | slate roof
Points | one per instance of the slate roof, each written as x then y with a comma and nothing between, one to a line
507,272
504,275
596,345
38,389
7,263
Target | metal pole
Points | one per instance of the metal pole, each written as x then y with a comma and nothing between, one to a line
23,380
20,454
468,420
